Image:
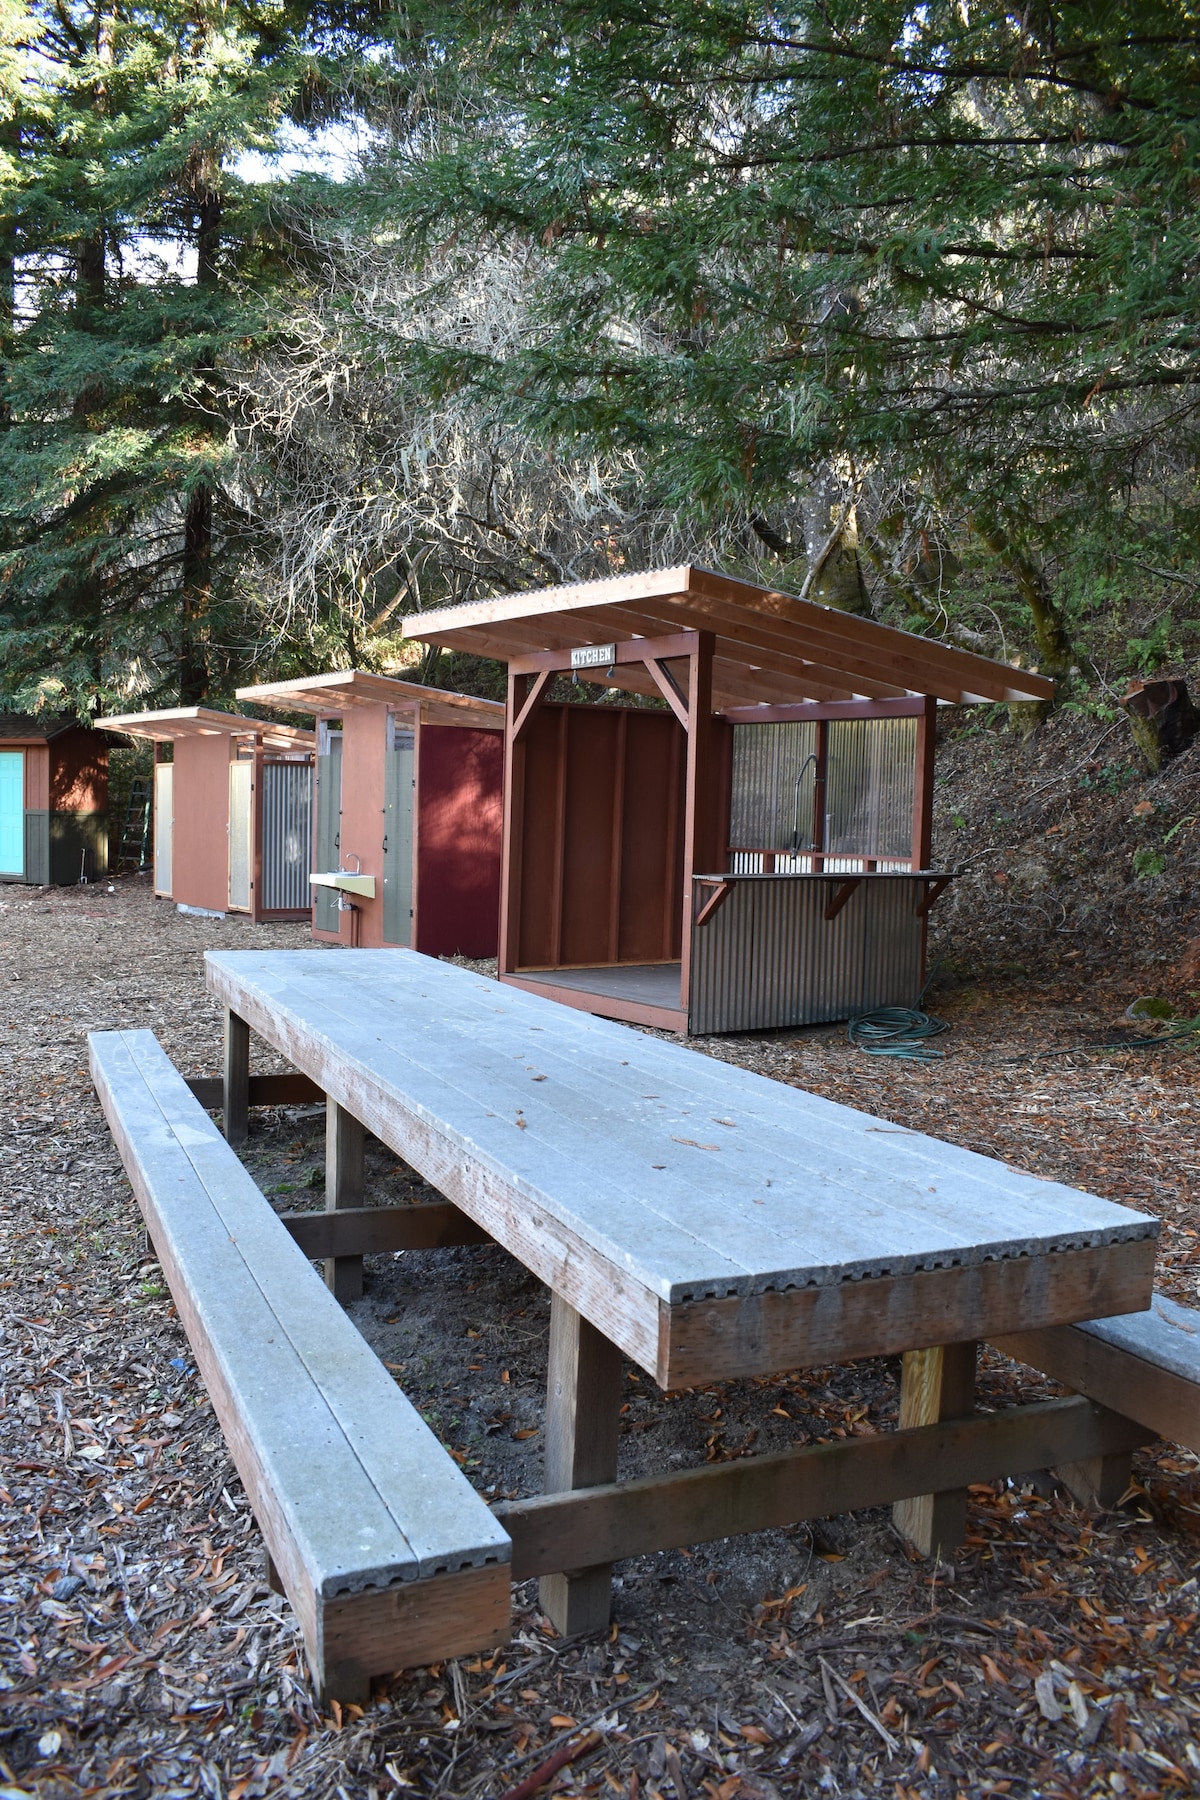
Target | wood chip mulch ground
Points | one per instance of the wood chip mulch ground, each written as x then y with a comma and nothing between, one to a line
141,1652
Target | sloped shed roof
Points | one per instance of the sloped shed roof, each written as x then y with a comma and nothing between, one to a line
40,728
204,721
356,687
771,647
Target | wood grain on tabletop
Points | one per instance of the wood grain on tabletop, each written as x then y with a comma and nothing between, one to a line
604,1158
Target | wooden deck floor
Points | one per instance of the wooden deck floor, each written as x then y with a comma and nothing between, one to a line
640,993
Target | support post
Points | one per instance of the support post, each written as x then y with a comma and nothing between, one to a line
344,1144
935,1384
704,837
1100,1481
513,827
820,795
922,825
235,1097
583,1398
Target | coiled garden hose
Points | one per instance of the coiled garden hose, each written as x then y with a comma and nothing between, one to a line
900,1031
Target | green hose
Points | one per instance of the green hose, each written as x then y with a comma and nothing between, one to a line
900,1031
1186,1035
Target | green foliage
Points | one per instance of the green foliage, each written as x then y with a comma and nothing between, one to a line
1148,863
927,274
141,268
950,252
1110,779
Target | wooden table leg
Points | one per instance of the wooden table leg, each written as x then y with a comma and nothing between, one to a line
583,1399
1100,1481
935,1384
236,1079
344,1182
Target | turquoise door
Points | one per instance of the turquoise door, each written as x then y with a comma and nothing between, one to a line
12,813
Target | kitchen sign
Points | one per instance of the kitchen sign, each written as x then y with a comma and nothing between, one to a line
593,656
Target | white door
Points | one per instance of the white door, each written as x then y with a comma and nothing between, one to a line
164,826
241,775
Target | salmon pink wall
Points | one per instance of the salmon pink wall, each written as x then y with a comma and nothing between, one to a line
37,777
200,846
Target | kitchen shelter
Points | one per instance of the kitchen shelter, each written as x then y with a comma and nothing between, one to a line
53,800
408,811
751,850
232,810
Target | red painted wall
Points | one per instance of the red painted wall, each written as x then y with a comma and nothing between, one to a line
79,772
601,839
200,850
459,822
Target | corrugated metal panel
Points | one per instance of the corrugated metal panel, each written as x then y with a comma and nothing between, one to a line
768,957
869,787
286,836
164,826
773,782
241,859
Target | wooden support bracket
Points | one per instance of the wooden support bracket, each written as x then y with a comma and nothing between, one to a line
840,898
533,700
714,903
669,688
933,893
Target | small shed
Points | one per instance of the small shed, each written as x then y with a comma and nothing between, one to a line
232,810
53,800
753,850
408,811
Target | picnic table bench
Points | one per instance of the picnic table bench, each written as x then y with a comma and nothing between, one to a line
709,1224
384,1549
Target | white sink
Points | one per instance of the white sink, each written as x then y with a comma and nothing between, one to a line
346,882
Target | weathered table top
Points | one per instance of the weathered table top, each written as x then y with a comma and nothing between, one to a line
710,1221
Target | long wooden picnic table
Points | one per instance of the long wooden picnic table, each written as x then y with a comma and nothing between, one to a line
707,1222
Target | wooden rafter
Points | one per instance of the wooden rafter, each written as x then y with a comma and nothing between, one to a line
785,648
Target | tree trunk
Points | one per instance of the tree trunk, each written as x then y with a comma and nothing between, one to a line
197,591
831,546
196,583
1056,653
1162,718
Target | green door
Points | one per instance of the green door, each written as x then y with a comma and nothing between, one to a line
12,813
329,827
398,839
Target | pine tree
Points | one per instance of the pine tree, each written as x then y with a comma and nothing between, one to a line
145,267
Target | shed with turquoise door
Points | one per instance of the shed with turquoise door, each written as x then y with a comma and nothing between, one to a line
53,800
